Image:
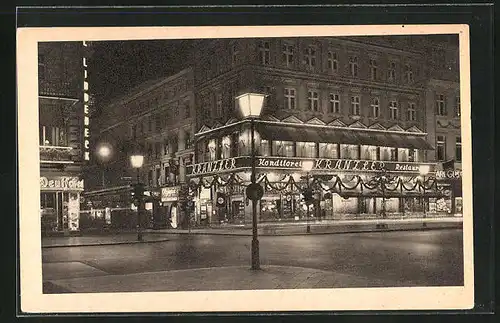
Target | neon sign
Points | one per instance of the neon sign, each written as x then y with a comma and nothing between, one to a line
86,114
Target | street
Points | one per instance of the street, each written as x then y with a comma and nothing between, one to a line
405,258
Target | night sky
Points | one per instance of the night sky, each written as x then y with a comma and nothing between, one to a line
117,67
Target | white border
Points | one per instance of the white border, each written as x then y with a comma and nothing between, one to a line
32,299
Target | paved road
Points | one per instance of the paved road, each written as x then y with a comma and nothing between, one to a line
422,258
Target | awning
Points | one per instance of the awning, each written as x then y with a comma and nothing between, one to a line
341,136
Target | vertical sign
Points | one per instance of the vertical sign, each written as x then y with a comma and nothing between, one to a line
86,114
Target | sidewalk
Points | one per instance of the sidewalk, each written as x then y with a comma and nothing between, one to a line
326,227
100,240
209,279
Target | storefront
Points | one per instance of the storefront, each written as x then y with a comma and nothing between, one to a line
167,214
60,203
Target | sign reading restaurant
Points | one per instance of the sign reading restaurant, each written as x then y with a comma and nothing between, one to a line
320,164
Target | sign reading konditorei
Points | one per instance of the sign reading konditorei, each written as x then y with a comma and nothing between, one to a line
63,183
320,164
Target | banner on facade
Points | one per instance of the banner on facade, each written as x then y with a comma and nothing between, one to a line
320,164
61,183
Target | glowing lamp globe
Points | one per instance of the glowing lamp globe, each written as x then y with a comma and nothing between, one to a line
251,104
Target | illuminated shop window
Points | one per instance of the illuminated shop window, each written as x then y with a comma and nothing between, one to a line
226,147
283,148
368,152
212,150
306,149
328,150
349,151
264,149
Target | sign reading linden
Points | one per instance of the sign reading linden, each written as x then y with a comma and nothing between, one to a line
61,183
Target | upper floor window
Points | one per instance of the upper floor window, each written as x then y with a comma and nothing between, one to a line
392,71
353,65
289,98
234,53
355,109
393,110
188,140
458,149
265,52
375,107
157,149
158,122
457,106
333,62
313,100
41,66
441,148
440,105
412,112
408,73
166,147
134,131
373,69
310,56
52,136
334,106
288,51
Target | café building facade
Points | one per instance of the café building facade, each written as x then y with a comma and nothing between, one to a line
348,163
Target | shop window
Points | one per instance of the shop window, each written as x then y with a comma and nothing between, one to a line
226,147
441,148
313,100
328,150
440,105
349,151
368,152
306,149
333,62
393,154
458,149
212,150
264,149
288,51
385,153
334,106
403,154
283,148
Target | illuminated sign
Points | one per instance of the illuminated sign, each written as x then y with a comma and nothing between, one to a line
320,164
61,183
86,114
449,174
170,194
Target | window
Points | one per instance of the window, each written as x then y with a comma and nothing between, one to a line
369,152
313,100
134,131
349,151
265,52
333,62
334,106
440,105
373,69
166,147
288,51
328,150
157,149
235,53
306,149
393,110
218,104
310,56
375,107
41,66
413,155
353,65
458,149
412,112
52,136
355,110
150,123
392,71
187,110
264,149
441,148
408,73
158,122
393,154
226,147
289,98
212,147
149,149
283,148
188,141
457,106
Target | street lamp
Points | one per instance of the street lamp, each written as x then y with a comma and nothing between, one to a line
382,180
424,170
104,152
137,160
251,106
307,167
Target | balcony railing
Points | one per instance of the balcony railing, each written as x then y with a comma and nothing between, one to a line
56,154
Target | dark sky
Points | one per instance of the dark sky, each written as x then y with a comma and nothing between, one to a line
118,66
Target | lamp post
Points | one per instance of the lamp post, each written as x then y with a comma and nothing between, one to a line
306,167
251,106
137,160
423,170
382,181
104,152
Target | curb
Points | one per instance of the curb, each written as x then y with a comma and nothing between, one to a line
102,244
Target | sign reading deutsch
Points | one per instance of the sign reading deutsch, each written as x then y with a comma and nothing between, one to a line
61,183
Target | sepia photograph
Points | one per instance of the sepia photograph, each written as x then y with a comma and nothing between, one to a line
280,162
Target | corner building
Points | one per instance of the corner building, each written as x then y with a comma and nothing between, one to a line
356,108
